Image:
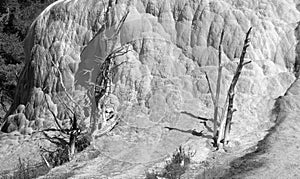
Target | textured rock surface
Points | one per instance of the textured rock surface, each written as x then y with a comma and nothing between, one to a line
162,79
277,154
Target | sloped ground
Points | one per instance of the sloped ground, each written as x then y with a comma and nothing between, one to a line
18,150
277,156
132,148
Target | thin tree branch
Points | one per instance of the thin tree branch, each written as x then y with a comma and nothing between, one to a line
56,140
210,89
245,63
50,130
55,119
45,160
120,25
194,116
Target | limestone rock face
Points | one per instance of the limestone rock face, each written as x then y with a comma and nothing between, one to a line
161,81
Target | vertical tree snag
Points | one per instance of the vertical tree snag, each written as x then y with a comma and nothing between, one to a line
215,98
102,86
64,137
74,132
222,124
216,111
230,93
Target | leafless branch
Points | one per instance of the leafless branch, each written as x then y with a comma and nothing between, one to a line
210,89
54,116
56,140
66,106
120,25
245,63
62,84
45,160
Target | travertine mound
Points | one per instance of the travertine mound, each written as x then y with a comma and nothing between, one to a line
161,81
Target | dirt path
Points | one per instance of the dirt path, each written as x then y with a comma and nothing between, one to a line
278,154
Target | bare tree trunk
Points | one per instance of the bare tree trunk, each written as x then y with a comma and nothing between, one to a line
72,146
73,137
218,88
93,117
222,124
230,94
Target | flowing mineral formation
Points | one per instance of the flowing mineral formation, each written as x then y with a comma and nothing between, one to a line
161,81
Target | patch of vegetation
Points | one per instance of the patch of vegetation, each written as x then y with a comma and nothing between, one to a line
61,152
16,17
58,156
25,170
174,168
211,173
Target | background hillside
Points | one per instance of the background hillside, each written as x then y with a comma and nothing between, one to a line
15,19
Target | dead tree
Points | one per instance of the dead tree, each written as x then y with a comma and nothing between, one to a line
67,138
64,138
102,87
225,130
221,131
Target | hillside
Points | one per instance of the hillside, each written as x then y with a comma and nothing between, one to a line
158,84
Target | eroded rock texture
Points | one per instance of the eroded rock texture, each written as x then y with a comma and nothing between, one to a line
161,81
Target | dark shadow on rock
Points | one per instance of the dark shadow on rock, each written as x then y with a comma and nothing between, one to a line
204,120
193,132
252,161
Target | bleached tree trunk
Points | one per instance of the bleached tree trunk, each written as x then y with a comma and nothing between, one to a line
72,146
222,124
230,94
215,98
218,89
73,137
